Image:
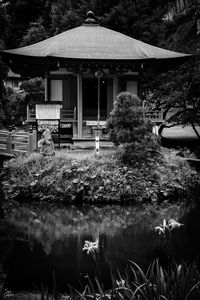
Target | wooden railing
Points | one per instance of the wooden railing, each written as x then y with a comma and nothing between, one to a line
31,113
12,142
68,114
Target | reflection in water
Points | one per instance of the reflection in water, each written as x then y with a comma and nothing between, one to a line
50,240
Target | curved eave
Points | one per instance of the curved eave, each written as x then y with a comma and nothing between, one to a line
38,66
92,44
7,55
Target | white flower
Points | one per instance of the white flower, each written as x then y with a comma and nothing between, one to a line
164,224
166,227
91,247
174,224
159,229
121,283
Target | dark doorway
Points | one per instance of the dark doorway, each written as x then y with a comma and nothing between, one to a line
90,98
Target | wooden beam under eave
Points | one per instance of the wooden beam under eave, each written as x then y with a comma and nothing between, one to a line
115,87
139,93
79,106
47,87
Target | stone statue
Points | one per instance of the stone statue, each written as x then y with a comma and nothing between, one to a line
45,144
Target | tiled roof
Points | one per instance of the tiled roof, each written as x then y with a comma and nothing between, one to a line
94,42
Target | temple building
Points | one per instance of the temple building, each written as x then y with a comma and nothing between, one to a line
84,69
14,80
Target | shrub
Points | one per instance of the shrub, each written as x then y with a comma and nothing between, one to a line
13,108
34,89
104,179
139,152
126,122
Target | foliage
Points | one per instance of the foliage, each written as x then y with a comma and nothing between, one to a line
34,89
3,72
98,180
22,12
177,92
140,19
126,122
180,282
13,103
139,151
35,33
13,108
4,22
64,16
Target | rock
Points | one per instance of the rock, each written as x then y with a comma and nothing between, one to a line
45,144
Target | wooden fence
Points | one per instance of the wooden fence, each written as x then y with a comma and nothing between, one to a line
13,142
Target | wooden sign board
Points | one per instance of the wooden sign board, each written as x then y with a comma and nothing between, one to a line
65,125
48,111
52,125
95,123
66,129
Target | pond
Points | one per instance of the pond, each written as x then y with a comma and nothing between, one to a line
43,246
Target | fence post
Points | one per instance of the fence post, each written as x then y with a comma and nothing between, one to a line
13,138
30,141
34,138
9,139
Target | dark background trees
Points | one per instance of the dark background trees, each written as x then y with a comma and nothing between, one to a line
160,22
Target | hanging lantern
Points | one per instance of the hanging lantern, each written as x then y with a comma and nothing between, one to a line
98,73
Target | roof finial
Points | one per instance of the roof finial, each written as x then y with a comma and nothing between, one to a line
91,18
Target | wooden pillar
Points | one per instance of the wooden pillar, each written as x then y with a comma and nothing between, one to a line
27,113
109,95
140,81
30,141
79,106
115,87
47,87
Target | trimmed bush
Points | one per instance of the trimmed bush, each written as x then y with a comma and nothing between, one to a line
126,122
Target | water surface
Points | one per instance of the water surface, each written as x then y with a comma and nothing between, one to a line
42,243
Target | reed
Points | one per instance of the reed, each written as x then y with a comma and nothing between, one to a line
179,282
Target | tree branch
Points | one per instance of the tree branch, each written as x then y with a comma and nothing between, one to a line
195,130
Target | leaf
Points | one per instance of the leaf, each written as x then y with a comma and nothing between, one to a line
75,181
34,183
